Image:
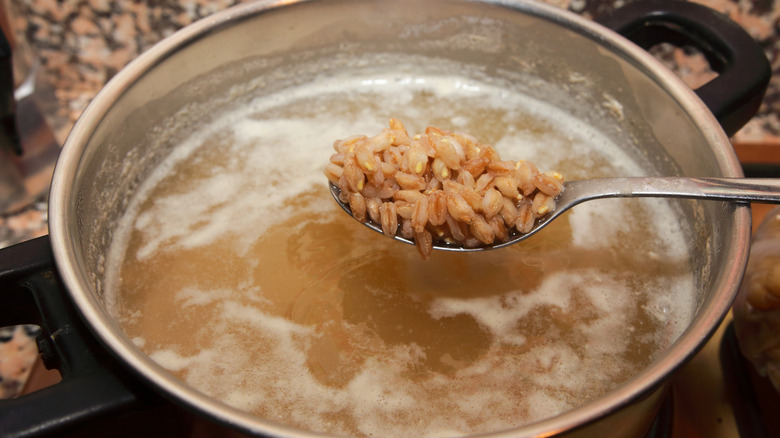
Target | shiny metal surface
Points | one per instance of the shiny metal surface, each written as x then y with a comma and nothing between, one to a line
137,117
742,190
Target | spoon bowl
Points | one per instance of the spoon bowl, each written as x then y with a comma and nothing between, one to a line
740,190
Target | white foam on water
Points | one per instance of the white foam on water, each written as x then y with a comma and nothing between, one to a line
603,336
173,361
194,296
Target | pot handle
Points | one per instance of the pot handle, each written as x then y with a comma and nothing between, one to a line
743,69
93,385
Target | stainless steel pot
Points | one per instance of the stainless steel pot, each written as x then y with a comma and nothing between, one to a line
137,117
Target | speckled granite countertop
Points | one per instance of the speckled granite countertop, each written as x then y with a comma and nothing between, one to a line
82,43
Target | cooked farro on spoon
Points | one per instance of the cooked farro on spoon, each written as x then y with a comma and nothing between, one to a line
443,190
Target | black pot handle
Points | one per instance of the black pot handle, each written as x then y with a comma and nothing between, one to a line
94,386
743,69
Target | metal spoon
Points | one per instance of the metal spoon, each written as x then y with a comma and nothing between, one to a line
741,190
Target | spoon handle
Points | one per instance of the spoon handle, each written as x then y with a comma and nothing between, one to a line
763,190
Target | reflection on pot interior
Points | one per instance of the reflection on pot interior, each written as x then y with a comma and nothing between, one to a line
234,269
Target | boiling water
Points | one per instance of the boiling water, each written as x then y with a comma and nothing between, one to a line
235,270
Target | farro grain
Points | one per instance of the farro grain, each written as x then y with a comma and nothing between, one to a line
471,242
470,195
389,157
542,204
509,211
450,151
525,174
433,185
357,203
333,172
480,229
549,183
499,228
381,142
466,179
501,167
389,216
489,153
377,178
433,130
456,229
437,208
407,230
484,182
343,146
459,209
405,209
470,145
388,169
426,144
492,203
507,185
372,207
424,242
440,170
409,181
354,177
476,166
417,158
420,215
338,159
400,136
525,217
365,157
409,195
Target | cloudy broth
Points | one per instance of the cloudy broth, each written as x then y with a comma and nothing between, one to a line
235,270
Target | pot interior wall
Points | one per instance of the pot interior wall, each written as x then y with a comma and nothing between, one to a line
251,51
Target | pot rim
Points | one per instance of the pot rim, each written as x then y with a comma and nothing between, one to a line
66,248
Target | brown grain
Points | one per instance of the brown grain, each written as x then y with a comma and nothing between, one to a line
439,186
